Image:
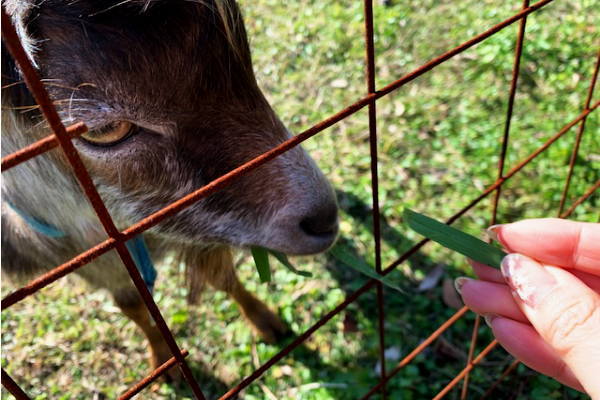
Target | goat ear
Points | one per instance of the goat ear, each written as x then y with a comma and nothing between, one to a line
18,7
20,12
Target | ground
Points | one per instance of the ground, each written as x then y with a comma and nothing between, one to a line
439,140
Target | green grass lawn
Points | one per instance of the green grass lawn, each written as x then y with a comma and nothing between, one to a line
439,140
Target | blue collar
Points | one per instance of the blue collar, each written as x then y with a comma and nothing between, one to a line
136,246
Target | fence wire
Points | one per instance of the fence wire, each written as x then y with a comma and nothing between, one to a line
62,137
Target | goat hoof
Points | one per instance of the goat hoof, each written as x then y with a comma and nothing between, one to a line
173,375
270,327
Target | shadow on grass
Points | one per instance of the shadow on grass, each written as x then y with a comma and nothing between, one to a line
211,386
361,214
409,316
363,309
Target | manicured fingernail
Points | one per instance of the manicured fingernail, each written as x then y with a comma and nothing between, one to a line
459,282
488,318
527,278
492,232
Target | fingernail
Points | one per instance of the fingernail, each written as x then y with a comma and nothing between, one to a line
459,282
492,232
488,318
527,278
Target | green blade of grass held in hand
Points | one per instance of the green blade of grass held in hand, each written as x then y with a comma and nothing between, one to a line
282,258
348,259
261,260
454,239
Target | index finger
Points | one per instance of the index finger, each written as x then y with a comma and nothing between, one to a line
553,241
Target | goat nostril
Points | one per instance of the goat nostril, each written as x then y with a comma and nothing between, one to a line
324,222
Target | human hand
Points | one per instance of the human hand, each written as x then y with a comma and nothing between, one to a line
544,304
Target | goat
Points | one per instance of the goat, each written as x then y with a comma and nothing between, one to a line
168,93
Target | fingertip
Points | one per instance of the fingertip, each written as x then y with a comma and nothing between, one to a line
489,319
459,282
497,233
490,298
493,232
553,241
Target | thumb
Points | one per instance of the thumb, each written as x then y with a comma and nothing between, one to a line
564,311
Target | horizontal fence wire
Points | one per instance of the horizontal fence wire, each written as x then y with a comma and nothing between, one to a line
352,297
40,147
466,370
129,233
62,137
227,178
152,377
581,199
417,350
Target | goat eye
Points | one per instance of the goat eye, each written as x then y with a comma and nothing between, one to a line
110,134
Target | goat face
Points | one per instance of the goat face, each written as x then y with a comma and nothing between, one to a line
168,93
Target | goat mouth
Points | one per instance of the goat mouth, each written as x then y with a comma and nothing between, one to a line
324,231
299,241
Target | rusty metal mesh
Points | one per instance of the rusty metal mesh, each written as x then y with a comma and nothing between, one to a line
62,137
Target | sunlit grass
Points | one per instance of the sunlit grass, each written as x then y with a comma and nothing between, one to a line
439,140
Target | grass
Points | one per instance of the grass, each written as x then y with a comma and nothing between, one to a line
439,140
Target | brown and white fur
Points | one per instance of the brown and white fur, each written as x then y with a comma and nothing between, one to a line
181,71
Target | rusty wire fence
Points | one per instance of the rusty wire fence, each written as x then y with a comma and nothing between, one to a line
62,137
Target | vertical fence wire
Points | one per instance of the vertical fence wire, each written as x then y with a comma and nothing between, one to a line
357,106
520,165
417,350
219,183
575,151
372,109
38,90
561,213
62,137
501,162
509,109
474,335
